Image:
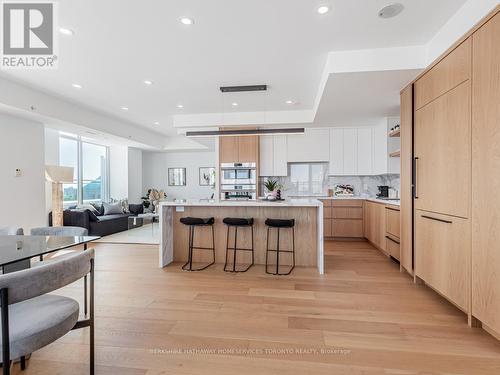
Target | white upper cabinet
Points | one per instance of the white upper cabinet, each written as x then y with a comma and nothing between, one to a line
380,149
266,165
273,156
336,152
280,155
312,146
350,152
364,152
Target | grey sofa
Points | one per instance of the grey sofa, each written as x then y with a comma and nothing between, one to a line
99,225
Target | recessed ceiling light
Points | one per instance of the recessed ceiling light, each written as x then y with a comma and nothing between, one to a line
323,9
148,82
290,102
157,123
234,104
391,10
76,86
180,106
187,21
125,108
65,31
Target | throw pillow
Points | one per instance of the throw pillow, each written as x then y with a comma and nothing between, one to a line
99,208
113,208
89,207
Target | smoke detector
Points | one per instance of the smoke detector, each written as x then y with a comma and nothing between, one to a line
391,10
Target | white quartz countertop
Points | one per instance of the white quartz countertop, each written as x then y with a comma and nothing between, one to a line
308,202
391,202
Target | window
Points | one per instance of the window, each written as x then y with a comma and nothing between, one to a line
308,179
91,175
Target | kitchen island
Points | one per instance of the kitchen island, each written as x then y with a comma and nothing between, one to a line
308,215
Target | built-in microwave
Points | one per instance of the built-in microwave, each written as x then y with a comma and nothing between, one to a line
238,181
238,174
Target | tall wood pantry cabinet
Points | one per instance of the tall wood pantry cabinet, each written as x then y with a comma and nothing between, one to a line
450,180
486,175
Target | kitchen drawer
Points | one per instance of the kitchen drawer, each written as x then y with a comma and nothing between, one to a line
326,202
327,212
347,212
347,203
452,70
392,247
443,255
393,225
347,228
327,227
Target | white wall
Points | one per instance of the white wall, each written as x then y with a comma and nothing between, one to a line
118,172
155,173
22,198
135,185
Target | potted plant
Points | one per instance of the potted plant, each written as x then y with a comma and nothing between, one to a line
272,186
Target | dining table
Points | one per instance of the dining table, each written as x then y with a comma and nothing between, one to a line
17,251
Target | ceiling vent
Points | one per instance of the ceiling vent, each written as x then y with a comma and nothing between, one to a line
391,10
243,88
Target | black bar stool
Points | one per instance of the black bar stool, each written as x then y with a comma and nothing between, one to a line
193,222
280,224
237,223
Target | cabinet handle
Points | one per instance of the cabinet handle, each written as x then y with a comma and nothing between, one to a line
392,209
415,173
393,240
436,219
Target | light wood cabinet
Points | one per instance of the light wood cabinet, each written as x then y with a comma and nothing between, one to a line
327,228
241,149
443,255
393,231
344,218
443,153
375,224
392,221
229,149
347,228
485,175
406,189
393,247
248,149
454,69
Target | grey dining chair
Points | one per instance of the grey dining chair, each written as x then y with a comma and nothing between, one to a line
32,319
11,231
64,231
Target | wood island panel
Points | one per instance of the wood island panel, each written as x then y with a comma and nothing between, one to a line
305,234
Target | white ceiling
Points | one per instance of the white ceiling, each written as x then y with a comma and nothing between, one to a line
358,98
282,43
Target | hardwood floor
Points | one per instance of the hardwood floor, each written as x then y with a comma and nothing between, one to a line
363,317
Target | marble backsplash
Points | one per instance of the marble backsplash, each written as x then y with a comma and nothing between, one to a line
366,185
363,185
